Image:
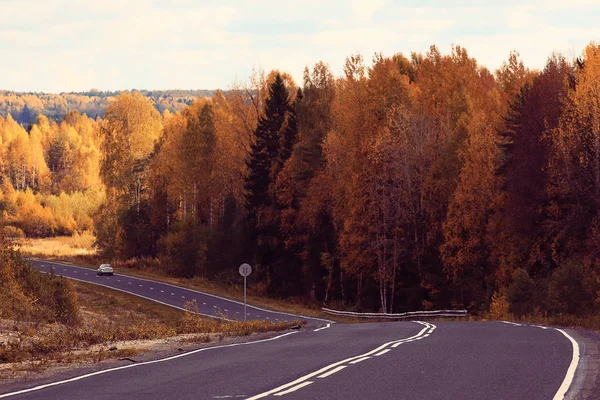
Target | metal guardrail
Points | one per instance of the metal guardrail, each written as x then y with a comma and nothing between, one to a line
406,315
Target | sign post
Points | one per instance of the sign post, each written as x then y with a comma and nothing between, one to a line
245,270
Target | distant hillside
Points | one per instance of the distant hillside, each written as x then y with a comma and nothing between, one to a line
25,107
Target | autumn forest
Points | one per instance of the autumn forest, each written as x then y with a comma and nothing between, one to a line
406,183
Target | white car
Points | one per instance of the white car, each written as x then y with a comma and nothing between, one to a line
105,269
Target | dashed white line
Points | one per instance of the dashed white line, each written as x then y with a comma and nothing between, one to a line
359,360
293,389
511,323
382,352
162,291
202,303
183,297
172,294
331,372
540,326
352,360
151,288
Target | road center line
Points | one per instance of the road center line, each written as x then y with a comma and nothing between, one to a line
359,360
323,370
300,386
382,352
331,372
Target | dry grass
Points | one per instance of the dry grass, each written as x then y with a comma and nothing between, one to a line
77,245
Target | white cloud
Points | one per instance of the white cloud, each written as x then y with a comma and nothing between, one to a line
67,45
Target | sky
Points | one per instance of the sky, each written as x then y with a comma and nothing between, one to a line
67,45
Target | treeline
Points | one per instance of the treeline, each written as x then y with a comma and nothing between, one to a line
413,183
49,176
25,107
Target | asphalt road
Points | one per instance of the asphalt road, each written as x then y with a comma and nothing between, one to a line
175,296
393,360
446,360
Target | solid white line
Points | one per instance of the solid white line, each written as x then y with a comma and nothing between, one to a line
540,326
511,323
382,352
321,328
300,386
562,390
203,293
359,360
331,372
77,378
338,363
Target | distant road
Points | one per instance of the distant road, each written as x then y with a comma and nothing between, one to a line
171,295
395,360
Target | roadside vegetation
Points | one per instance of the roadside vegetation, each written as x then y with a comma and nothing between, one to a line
47,319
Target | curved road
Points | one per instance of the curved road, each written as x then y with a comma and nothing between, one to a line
392,360
171,295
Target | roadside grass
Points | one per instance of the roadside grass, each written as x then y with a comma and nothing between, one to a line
108,321
77,245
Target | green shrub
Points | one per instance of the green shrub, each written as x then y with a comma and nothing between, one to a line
520,293
572,289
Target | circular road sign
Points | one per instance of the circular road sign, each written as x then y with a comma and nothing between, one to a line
245,269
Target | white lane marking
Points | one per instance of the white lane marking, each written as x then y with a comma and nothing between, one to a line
321,328
202,293
140,285
293,389
382,352
77,378
183,297
172,294
225,310
359,360
162,291
540,326
202,303
64,269
129,283
331,372
562,390
85,273
118,280
511,323
426,326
